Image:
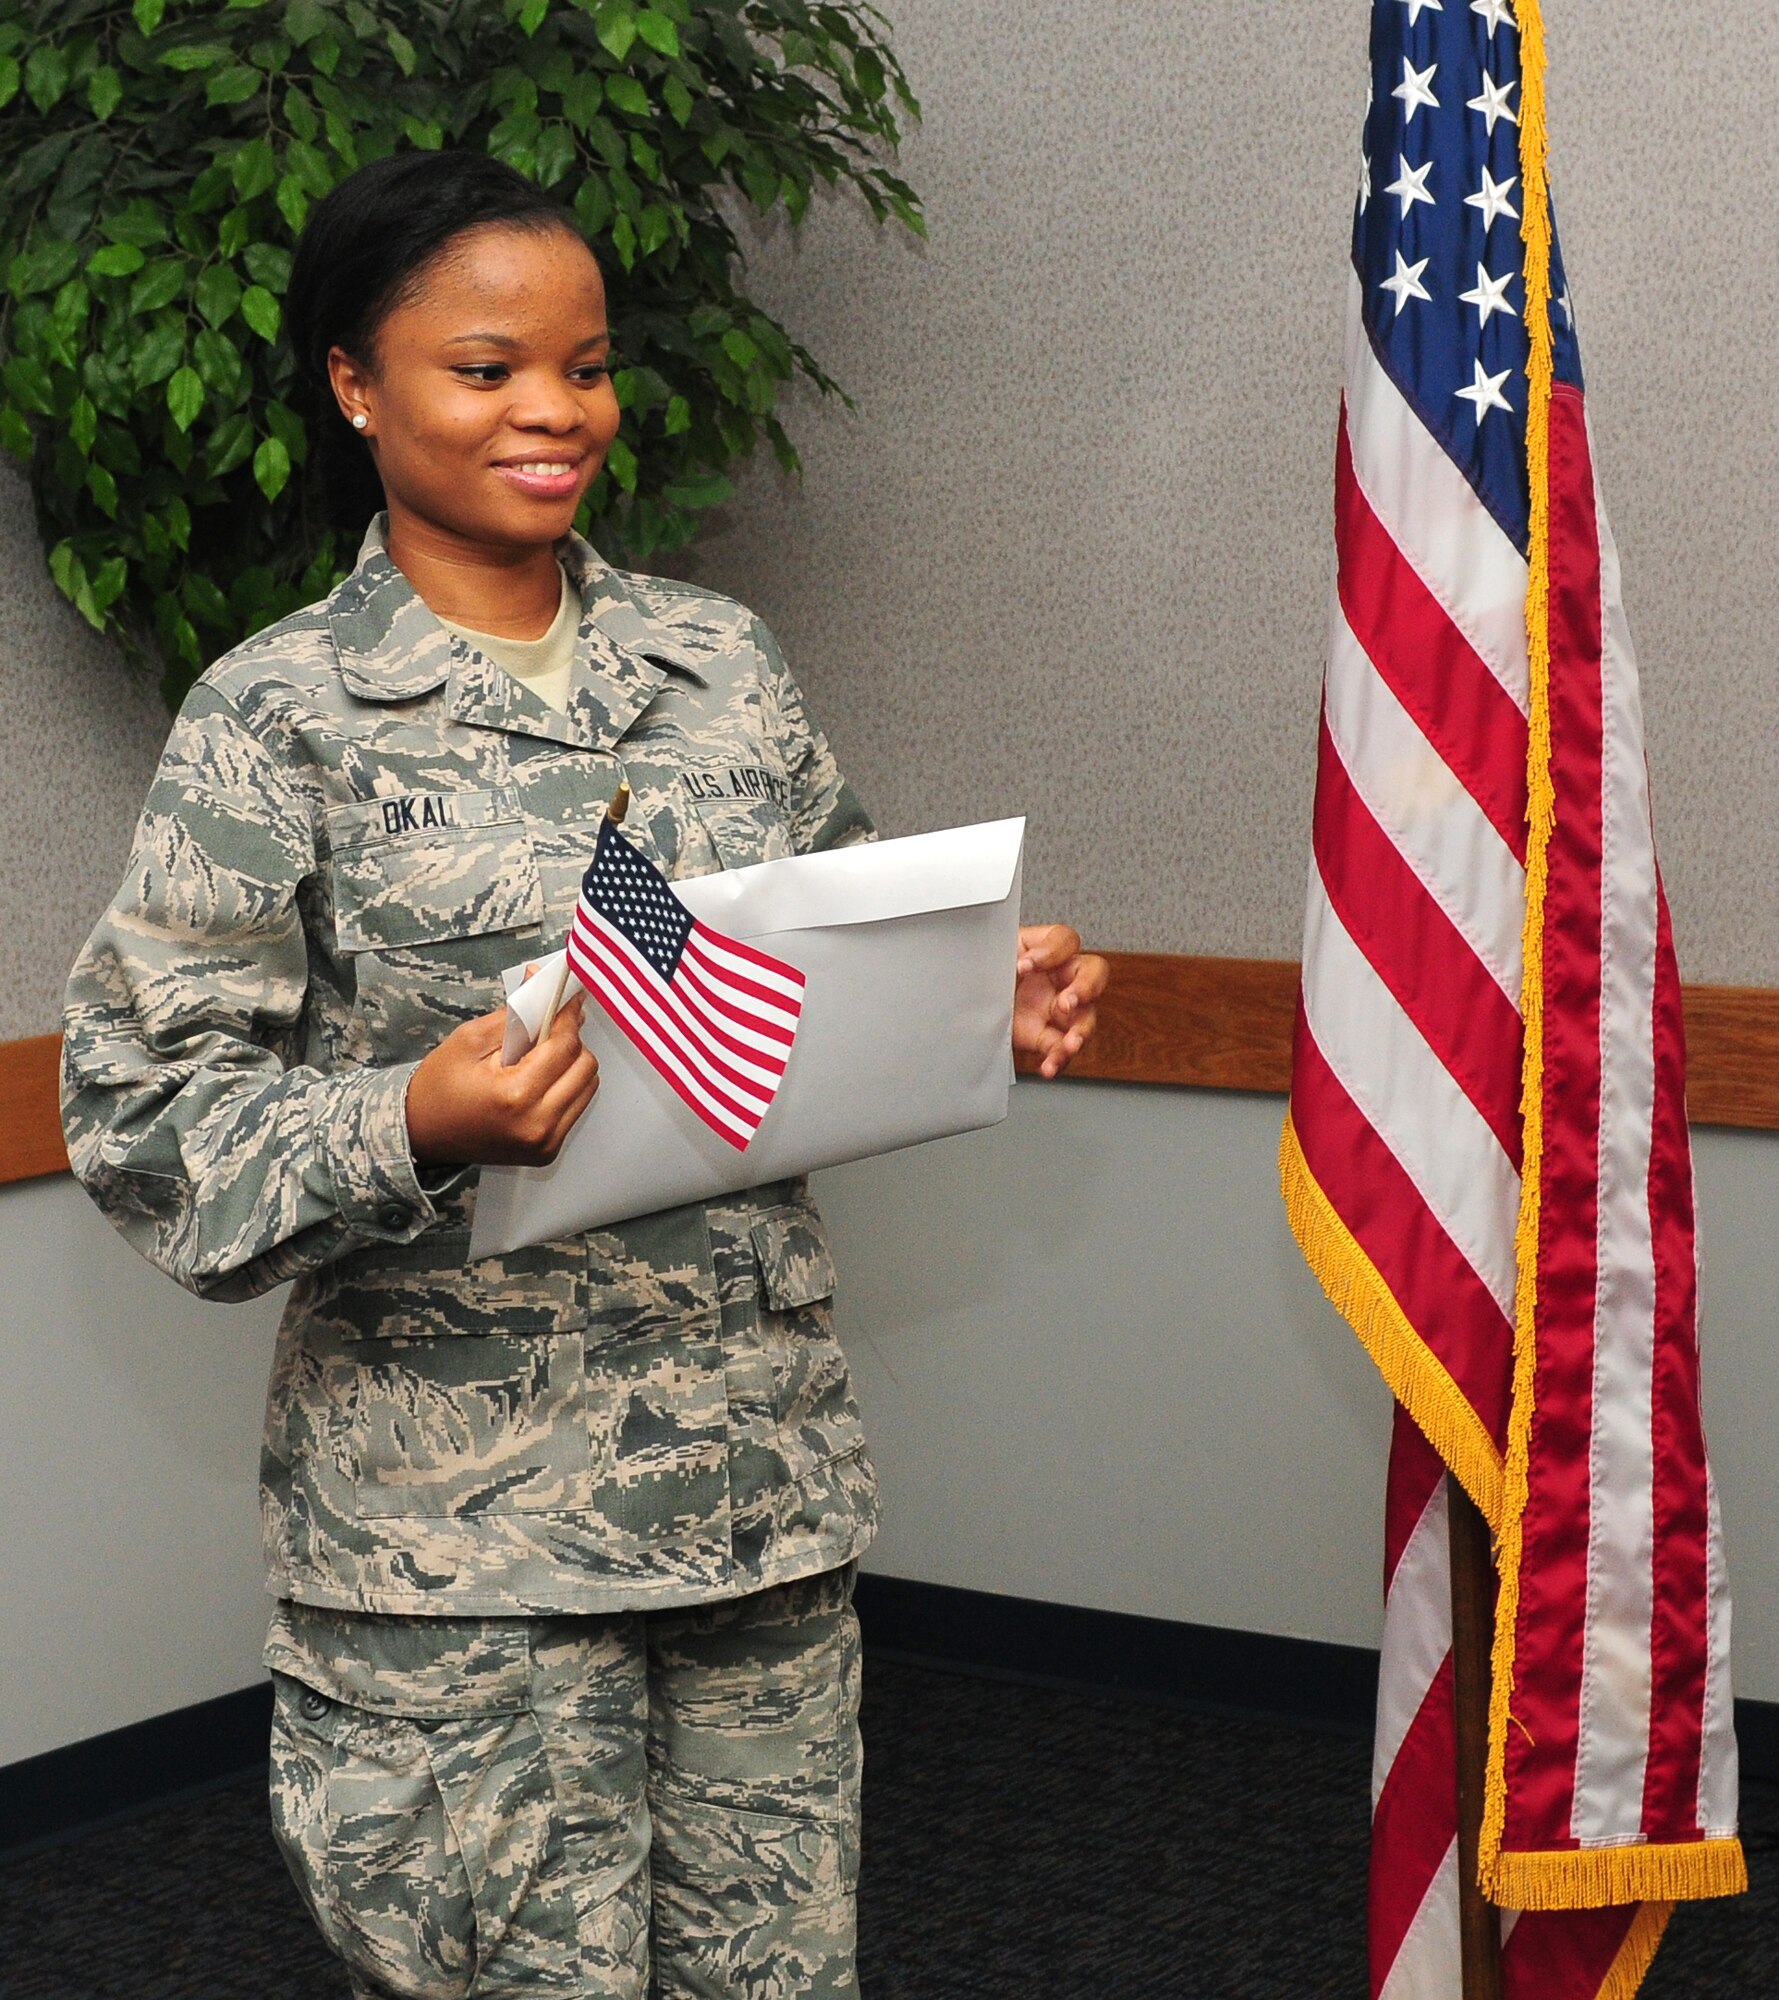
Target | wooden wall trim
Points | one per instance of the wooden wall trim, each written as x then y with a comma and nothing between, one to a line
30,1111
1202,1023
1225,1024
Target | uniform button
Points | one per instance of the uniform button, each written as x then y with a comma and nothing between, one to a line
312,1705
393,1216
428,1724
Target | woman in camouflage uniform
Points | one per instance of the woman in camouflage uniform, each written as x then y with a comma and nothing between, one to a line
562,1542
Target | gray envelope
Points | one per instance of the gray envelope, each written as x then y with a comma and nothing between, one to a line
908,947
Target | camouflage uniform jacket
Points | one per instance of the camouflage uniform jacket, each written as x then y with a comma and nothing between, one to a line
358,821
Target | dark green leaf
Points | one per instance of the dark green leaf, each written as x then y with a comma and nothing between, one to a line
531,15
628,95
147,14
103,487
47,73
593,205
10,77
304,20
428,135
116,260
234,85
42,269
293,204
267,264
260,310
65,568
615,24
39,162
554,154
679,416
232,233
678,100
581,98
140,223
271,467
218,292
158,286
218,361
401,48
15,432
230,444
658,31
310,167
108,582
287,427
255,169
104,91
300,115
620,462
83,425
185,398
209,191
196,55
68,314
157,355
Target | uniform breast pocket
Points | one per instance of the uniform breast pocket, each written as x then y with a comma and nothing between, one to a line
434,894
745,813
429,867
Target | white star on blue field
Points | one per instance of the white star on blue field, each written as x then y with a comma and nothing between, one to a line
1436,238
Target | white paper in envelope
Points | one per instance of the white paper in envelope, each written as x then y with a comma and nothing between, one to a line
908,947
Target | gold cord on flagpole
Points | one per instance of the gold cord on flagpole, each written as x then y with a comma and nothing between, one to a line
1541,818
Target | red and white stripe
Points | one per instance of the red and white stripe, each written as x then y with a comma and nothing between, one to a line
719,1033
1405,1103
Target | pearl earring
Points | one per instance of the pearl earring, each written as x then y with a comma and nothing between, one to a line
359,421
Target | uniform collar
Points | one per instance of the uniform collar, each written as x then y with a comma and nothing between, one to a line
392,648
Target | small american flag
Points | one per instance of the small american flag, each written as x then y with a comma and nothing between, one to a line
714,1017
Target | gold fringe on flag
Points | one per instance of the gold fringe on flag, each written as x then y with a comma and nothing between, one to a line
1592,1878
1637,1954
1357,1291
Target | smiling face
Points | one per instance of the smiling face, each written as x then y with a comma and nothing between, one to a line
487,399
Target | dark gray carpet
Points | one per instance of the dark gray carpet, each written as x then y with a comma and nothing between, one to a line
1020,1844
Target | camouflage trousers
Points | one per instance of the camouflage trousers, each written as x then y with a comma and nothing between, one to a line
658,1804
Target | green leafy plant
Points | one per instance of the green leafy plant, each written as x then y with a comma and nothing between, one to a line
158,159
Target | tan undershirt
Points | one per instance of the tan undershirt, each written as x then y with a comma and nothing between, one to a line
544,664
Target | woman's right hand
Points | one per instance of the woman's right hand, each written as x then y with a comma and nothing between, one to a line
467,1108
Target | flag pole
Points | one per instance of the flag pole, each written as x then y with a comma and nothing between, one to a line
615,811
1473,1638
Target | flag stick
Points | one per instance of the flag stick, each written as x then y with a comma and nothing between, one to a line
620,805
1473,1633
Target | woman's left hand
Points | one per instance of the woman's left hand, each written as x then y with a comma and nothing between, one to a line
1054,1003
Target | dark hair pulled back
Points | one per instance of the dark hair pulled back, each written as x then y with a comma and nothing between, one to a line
362,251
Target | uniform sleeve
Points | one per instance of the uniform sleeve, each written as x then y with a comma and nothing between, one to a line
188,1119
825,810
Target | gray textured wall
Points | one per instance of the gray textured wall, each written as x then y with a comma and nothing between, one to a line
1071,555
79,736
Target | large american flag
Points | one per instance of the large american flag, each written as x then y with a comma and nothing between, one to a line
714,1017
1486,1160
